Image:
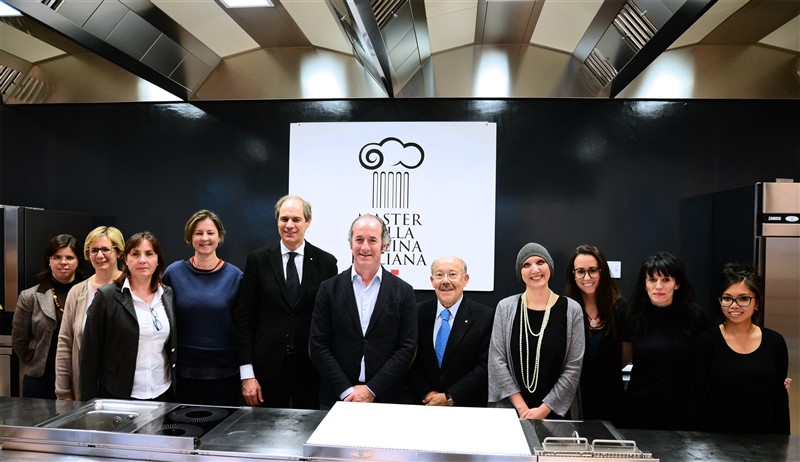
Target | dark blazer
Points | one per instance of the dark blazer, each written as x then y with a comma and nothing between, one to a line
265,322
111,342
388,346
463,373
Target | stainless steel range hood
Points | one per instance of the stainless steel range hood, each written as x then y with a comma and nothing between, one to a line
160,50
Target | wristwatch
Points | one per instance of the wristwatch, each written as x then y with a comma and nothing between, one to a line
450,401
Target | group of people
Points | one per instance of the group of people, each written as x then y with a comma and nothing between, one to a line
289,332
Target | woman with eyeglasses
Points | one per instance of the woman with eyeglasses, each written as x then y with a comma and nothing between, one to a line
739,359
103,249
129,342
537,345
206,292
38,317
589,283
659,333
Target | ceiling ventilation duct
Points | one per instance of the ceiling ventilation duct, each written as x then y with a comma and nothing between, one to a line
133,34
626,36
389,38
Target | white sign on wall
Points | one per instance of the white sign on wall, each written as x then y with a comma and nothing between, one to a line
433,183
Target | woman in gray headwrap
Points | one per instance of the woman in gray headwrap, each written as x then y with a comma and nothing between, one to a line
537,346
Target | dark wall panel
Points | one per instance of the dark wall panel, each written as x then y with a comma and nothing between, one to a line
633,177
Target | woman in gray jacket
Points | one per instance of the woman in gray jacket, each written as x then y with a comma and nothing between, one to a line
37,319
537,345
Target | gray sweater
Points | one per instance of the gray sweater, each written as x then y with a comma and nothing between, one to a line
502,383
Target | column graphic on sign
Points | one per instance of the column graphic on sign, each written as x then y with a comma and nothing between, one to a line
391,189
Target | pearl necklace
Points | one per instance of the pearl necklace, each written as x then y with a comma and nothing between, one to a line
531,383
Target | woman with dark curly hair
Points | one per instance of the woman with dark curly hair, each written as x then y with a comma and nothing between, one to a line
659,334
589,283
740,357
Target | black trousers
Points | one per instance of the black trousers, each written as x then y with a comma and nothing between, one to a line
296,387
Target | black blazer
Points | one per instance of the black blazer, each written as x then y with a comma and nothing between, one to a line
463,373
265,322
388,346
111,342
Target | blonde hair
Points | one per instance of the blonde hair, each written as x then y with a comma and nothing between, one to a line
113,234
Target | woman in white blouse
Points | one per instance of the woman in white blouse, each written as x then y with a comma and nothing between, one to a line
129,341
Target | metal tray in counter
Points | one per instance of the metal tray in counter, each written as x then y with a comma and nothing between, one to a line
107,415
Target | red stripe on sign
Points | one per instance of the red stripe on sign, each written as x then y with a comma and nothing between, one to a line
396,272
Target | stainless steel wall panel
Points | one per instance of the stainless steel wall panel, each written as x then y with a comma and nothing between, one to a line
781,198
105,18
507,22
165,55
79,11
133,35
190,72
407,68
400,53
397,29
782,307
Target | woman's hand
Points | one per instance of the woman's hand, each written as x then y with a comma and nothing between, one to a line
539,412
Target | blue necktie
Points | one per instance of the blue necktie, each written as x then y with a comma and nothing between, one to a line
442,335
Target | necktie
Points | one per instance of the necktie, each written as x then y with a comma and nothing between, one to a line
292,279
442,335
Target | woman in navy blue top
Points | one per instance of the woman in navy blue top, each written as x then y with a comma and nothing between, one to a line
206,291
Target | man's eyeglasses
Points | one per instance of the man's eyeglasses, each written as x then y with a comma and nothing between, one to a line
743,301
581,273
156,322
452,275
96,250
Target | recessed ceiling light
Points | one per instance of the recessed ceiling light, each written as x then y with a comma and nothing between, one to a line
6,10
247,3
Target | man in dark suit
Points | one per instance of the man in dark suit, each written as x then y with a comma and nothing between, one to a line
459,377
272,320
364,327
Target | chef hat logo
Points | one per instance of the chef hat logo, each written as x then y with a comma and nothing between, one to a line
391,186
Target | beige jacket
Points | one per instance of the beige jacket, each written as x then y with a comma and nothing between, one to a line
32,329
68,352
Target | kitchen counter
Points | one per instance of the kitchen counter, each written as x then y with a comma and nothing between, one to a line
279,434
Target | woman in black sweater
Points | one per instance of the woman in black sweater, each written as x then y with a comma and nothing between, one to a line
589,282
659,335
737,360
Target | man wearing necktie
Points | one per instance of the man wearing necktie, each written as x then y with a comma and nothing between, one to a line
454,335
272,320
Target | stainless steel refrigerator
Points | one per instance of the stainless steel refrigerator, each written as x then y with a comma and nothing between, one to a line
760,225
24,233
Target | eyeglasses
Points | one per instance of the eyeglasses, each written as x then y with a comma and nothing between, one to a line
452,275
68,258
743,301
105,250
581,273
156,322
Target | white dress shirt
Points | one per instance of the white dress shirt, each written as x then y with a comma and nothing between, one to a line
366,296
152,376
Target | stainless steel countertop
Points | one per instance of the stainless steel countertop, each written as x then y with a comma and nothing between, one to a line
281,433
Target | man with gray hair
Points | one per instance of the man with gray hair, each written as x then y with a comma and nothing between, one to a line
276,300
364,328
454,334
